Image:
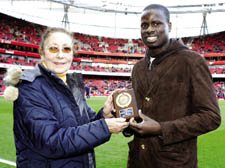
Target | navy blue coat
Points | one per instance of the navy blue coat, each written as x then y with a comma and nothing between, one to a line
52,122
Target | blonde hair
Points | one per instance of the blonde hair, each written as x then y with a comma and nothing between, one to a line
50,31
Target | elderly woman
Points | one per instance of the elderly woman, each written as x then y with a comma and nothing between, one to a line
53,125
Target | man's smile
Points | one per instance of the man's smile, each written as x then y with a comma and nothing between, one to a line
151,39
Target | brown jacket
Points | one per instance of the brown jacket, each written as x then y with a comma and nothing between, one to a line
177,92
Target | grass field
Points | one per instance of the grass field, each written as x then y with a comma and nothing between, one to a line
113,154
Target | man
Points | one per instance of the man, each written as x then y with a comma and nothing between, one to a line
175,95
87,90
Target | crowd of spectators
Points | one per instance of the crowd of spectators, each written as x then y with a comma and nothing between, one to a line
18,30
25,61
217,70
103,87
13,29
108,45
212,43
96,85
21,31
18,60
100,68
220,89
106,86
2,85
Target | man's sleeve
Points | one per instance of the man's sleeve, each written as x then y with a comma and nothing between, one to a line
205,115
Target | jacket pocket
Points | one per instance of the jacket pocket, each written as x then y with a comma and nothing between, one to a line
157,145
172,148
174,154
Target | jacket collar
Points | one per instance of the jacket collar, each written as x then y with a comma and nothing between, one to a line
175,45
31,74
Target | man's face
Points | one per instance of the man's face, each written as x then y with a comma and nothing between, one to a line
155,29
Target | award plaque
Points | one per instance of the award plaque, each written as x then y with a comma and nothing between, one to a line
125,104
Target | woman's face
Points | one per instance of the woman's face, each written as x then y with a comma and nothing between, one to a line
58,54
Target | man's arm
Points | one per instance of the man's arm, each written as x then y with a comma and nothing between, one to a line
205,115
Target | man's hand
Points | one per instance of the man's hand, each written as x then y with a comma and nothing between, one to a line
147,126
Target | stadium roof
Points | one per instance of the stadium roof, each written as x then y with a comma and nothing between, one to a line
118,18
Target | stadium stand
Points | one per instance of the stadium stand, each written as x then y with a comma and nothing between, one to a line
220,89
98,55
2,86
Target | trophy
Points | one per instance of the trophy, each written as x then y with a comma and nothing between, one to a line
125,104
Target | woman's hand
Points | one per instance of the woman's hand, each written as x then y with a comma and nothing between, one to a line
108,109
116,125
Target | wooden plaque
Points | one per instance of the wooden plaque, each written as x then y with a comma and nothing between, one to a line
125,104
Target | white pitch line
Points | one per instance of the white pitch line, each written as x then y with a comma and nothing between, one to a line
7,162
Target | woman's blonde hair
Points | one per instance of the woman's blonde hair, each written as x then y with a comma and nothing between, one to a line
51,30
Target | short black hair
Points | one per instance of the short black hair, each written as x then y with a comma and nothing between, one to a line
159,7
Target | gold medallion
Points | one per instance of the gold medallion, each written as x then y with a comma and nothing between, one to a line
123,99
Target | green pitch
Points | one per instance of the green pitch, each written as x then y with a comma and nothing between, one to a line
113,154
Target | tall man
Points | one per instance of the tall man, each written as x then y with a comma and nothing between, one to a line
175,95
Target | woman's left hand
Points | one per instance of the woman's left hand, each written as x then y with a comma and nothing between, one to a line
108,109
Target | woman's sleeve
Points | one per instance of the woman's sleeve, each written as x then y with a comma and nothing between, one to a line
38,128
